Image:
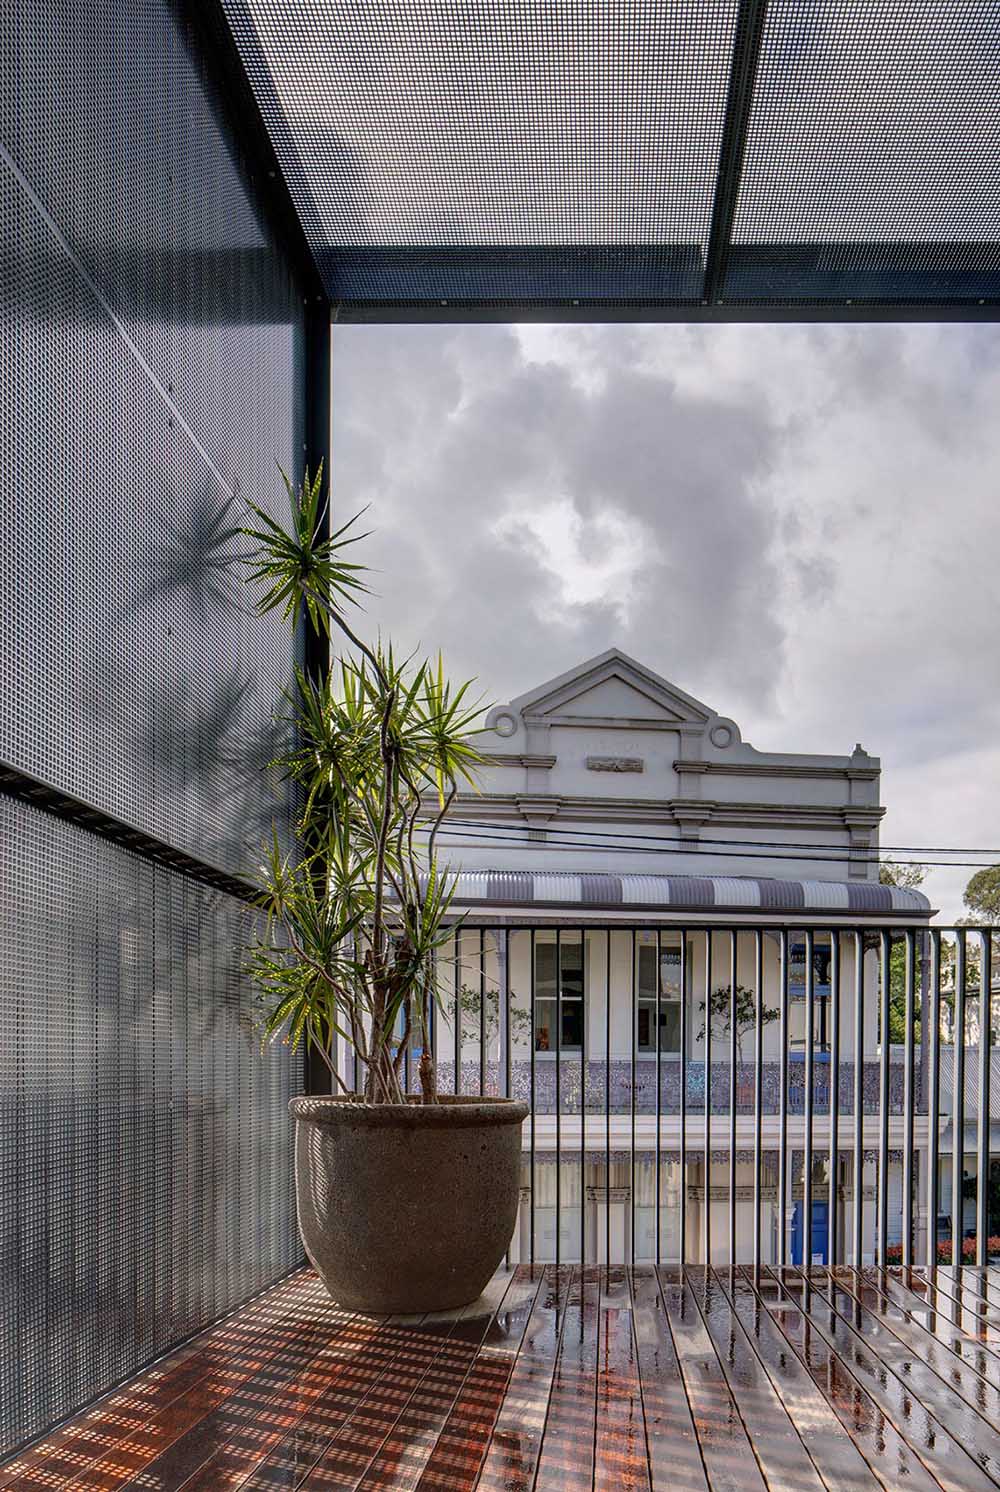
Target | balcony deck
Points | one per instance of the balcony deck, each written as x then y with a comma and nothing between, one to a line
569,1379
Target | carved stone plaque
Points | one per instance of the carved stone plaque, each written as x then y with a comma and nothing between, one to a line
614,764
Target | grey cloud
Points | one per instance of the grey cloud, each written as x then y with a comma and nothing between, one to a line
446,435
816,510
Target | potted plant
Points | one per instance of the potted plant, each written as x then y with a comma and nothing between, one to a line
406,1202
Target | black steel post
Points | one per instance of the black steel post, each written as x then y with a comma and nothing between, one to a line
833,1232
659,1117
983,1102
758,1091
885,952
908,1068
683,1100
932,1038
858,1179
958,1102
807,1152
733,1092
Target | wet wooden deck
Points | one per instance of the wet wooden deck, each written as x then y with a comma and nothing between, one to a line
582,1379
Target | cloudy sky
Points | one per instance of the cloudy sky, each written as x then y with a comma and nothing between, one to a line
799,525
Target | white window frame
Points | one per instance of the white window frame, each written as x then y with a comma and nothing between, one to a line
546,938
669,996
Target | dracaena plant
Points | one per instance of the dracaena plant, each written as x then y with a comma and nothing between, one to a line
381,745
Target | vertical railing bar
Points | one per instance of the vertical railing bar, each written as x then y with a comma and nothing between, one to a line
807,1118
406,1049
707,1200
983,1116
958,1101
482,1012
458,1012
659,938
683,1100
631,1190
534,1100
783,1104
607,1103
758,1092
558,1096
909,993
504,995
506,1014
885,950
583,1096
432,1009
833,1202
858,1177
932,1034
733,1089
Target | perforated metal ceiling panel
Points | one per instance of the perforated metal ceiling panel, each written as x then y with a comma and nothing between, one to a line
695,158
872,164
488,151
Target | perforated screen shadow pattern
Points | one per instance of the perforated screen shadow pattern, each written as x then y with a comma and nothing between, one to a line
153,373
686,157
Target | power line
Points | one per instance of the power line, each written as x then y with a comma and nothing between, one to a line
780,844
830,857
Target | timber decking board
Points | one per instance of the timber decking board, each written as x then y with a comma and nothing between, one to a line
726,1449
567,1451
888,1386
978,1391
784,1460
923,1307
621,1460
675,1460
512,1457
602,1380
886,1452
831,1446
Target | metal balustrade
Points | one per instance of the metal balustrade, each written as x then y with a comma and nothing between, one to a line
769,1142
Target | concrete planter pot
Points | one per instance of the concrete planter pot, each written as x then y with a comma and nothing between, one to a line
406,1207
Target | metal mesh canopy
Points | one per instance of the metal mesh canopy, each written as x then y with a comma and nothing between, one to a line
674,158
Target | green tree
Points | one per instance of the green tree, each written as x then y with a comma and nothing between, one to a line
908,875
982,897
904,873
470,1001
746,1013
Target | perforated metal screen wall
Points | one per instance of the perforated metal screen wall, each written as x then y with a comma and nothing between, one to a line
153,372
682,157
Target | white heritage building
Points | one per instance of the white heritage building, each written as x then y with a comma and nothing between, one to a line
621,819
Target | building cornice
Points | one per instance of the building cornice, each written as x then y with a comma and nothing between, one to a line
593,809
617,722
777,769
518,759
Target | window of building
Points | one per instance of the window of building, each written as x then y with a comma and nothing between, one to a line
658,963
797,1025
559,969
821,956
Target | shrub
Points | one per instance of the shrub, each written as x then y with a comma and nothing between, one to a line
894,1253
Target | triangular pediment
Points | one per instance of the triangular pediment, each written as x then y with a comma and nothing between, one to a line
611,687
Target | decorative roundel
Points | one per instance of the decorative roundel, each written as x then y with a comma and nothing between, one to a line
722,734
504,723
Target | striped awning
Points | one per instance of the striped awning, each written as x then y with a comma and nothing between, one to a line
679,893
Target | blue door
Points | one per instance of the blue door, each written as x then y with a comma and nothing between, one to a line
820,1237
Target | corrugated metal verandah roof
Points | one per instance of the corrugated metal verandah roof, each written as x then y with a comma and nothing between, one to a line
675,159
591,891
